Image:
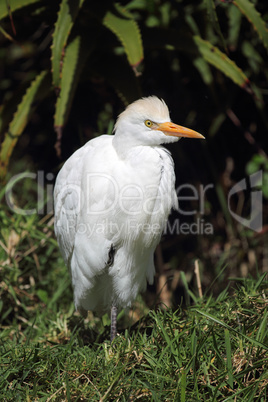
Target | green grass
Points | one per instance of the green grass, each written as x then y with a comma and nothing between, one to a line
215,349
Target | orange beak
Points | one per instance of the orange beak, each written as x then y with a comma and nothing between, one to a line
174,130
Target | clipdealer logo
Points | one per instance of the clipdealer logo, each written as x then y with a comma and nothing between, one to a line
44,201
255,220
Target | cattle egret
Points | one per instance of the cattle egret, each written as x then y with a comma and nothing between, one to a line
112,200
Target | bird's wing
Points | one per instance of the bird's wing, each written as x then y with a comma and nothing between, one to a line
76,205
67,194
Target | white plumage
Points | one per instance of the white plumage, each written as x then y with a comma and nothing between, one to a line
112,200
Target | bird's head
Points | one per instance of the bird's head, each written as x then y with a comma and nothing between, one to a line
147,122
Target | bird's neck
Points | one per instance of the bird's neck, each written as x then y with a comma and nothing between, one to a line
123,146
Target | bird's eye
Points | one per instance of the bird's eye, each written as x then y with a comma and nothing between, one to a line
148,123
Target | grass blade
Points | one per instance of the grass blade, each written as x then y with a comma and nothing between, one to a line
216,320
263,328
187,290
183,386
229,358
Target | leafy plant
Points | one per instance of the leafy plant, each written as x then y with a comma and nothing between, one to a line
259,162
76,35
84,42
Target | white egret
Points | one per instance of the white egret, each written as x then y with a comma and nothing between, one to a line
112,200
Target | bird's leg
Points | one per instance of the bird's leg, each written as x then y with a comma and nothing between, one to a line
113,322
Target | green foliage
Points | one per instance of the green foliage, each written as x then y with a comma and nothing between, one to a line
221,61
126,29
259,162
75,56
6,8
248,9
66,18
81,45
72,43
216,349
65,65
38,89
